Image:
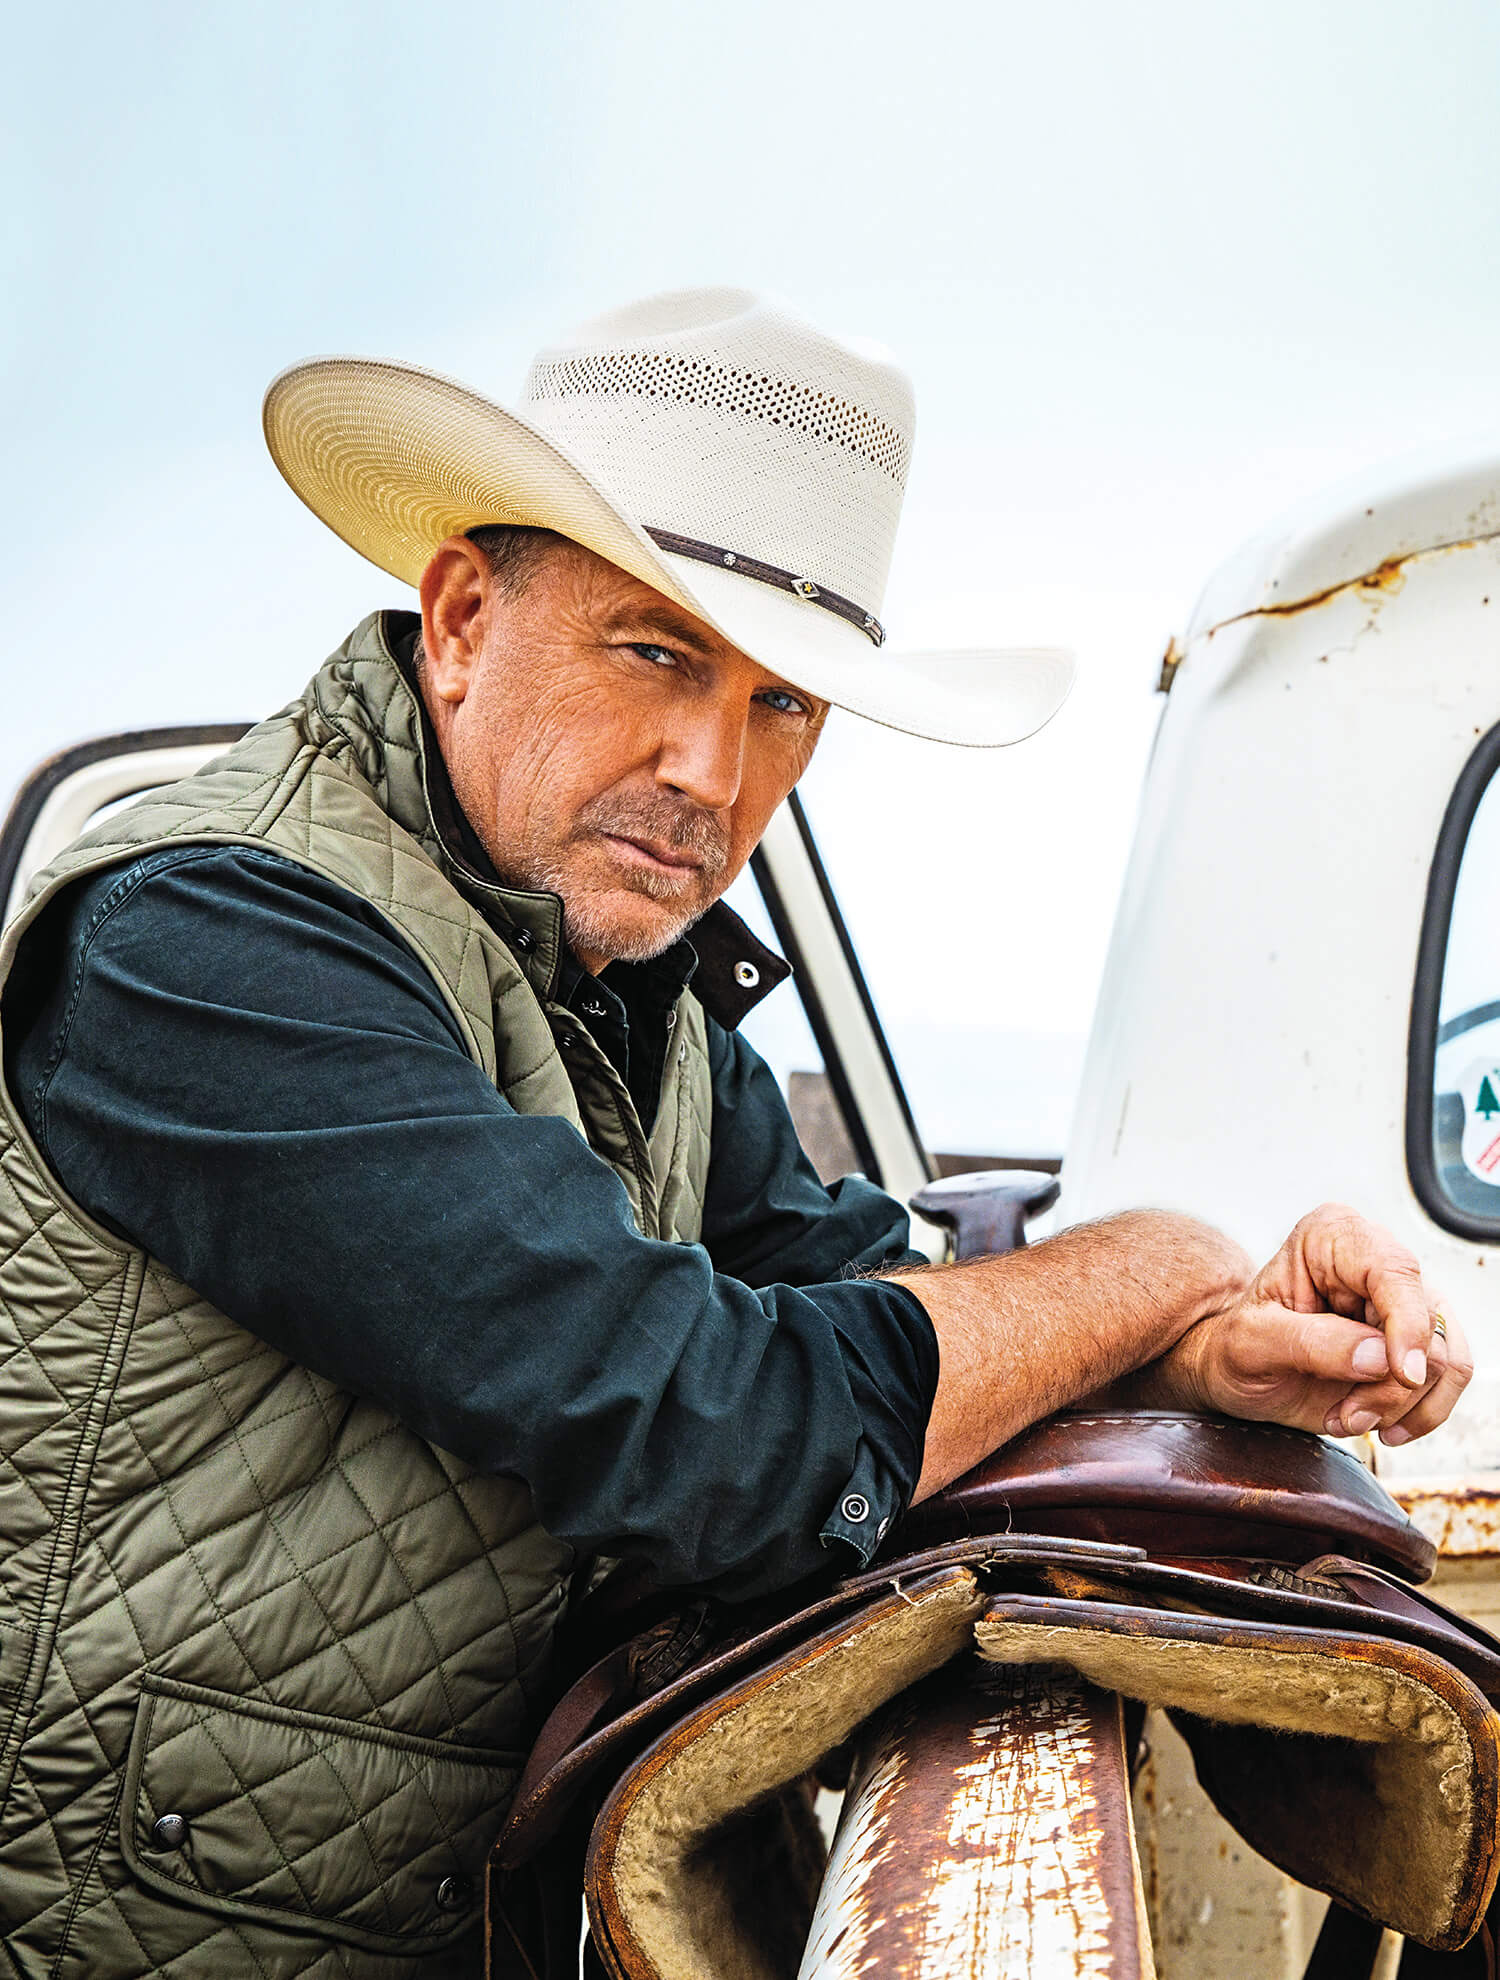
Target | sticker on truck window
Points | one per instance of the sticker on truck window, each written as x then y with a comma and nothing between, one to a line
1480,1086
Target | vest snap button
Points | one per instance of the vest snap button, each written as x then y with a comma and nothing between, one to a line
169,1832
454,1894
567,1040
524,940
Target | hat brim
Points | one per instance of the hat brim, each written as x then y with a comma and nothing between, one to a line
394,459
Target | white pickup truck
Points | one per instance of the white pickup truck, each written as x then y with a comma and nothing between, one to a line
1301,1002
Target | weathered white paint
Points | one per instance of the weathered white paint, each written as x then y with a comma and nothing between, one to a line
1026,1835
835,1945
1248,1053
1016,1888
1248,1057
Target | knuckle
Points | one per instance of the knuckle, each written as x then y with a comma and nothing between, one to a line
1388,1400
1329,1214
1306,1347
1395,1261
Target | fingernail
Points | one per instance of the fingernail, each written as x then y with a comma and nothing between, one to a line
1361,1421
1369,1356
1414,1368
1395,1435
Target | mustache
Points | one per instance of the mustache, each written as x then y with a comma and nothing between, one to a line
674,822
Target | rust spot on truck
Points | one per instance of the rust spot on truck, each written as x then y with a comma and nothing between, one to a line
1461,1521
1391,575
1386,578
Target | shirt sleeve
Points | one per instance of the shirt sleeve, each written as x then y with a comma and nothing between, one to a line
771,1222
241,1067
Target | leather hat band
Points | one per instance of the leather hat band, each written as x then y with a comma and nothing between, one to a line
752,567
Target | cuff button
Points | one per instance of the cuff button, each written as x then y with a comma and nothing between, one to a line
855,1508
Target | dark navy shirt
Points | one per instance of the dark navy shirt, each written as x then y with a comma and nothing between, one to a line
241,1067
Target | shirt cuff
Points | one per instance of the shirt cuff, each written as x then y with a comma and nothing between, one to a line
869,1505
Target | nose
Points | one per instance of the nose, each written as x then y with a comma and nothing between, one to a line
703,756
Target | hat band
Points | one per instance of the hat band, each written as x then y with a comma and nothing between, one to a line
752,567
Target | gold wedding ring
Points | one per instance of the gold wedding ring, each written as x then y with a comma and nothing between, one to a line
1440,1326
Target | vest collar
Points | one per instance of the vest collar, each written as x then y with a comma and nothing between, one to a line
397,746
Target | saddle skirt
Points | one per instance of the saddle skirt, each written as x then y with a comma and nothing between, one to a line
1255,1582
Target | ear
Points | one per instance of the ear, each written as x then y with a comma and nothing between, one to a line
455,592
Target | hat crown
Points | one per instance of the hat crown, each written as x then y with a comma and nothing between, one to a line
710,443
720,415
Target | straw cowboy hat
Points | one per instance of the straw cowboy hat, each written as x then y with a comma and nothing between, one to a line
709,442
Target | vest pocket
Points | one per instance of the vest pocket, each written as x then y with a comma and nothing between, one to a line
320,1824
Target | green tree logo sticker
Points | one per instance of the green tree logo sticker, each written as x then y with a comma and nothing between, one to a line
1486,1103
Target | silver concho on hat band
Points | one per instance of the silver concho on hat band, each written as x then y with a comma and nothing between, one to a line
752,567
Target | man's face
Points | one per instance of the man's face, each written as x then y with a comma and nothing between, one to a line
603,743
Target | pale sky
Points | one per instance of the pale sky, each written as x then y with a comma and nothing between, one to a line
1159,272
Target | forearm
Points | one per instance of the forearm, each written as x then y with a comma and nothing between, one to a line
1028,1333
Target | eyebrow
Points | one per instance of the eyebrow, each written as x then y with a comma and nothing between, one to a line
665,618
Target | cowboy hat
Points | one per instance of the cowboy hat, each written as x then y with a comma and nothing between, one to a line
710,443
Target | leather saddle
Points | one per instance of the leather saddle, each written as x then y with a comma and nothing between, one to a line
1257,1582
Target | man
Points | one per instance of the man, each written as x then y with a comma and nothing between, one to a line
393,1222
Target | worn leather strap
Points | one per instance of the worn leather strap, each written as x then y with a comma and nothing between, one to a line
763,573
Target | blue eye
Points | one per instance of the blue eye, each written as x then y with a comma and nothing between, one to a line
661,656
782,702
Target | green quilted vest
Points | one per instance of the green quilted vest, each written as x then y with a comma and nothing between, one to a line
229,1591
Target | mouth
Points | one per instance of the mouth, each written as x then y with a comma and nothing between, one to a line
652,855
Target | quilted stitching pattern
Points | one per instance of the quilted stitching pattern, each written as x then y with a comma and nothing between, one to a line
177,1499
205,1756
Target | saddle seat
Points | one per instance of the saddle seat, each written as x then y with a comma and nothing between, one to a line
1182,1486
1258,1583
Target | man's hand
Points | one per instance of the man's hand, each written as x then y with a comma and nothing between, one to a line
1335,1334
1032,1331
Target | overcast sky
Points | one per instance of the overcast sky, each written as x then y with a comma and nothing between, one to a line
1159,272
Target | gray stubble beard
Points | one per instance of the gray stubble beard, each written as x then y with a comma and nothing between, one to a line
685,829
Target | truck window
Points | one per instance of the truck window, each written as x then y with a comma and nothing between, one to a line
1453,1139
